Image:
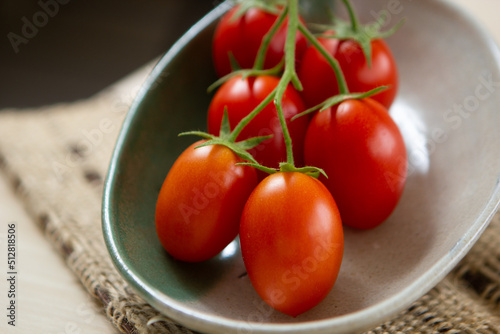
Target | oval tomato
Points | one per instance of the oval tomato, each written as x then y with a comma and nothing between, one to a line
200,203
241,96
317,77
361,78
362,151
242,38
291,241
319,81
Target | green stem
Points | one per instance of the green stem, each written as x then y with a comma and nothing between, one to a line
245,73
266,40
289,75
341,82
352,14
248,118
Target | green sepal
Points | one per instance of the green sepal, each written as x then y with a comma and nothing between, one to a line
197,133
235,66
225,134
239,148
225,128
308,170
258,166
336,99
250,143
245,73
232,146
363,34
391,31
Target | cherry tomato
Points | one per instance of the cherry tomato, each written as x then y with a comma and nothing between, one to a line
292,241
318,78
361,77
361,150
242,37
200,203
241,97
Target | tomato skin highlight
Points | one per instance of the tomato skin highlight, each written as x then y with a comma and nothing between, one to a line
362,78
292,241
243,36
200,203
241,96
318,78
362,151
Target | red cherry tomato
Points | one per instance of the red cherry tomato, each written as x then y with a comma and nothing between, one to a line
200,203
242,37
318,78
241,97
361,150
361,78
292,241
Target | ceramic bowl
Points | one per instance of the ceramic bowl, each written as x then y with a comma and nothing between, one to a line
447,109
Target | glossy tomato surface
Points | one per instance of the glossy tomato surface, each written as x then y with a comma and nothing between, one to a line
241,96
292,241
242,36
361,78
319,81
363,153
200,203
317,77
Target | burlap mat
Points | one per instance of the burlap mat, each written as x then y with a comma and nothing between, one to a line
57,158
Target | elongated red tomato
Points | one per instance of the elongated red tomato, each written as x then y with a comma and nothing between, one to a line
241,96
200,203
361,77
318,78
242,36
291,241
362,151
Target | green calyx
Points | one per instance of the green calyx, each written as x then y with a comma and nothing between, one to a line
245,73
354,30
289,76
258,67
308,170
227,138
287,167
288,9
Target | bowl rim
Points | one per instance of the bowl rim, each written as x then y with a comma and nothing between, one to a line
359,320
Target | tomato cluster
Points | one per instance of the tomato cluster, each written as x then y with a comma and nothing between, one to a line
290,223
241,96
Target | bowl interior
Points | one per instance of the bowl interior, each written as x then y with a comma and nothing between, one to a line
447,110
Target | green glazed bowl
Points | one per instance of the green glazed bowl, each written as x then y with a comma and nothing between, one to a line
445,60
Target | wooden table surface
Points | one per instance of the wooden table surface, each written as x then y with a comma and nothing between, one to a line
50,299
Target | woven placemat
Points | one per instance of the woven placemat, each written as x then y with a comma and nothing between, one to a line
57,158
